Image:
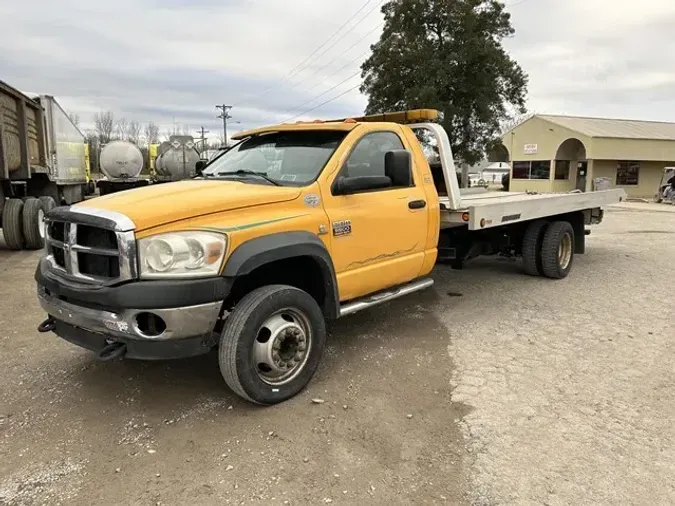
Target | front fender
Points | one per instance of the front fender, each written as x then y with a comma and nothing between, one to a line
284,245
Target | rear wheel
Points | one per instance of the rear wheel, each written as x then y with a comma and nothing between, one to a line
33,223
12,224
271,344
48,203
532,241
557,250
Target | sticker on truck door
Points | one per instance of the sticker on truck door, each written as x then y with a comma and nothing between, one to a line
342,227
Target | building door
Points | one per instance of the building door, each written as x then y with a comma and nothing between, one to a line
582,171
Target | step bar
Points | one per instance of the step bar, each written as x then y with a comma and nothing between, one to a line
385,296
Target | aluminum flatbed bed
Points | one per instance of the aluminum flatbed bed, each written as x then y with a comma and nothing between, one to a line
493,209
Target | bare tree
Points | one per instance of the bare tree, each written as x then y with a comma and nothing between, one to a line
122,129
152,133
104,125
168,133
134,132
514,120
75,118
186,130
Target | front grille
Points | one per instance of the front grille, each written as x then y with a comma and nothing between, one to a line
89,253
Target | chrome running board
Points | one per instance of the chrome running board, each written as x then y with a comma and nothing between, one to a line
385,296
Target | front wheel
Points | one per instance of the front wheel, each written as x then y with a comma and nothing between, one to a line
271,344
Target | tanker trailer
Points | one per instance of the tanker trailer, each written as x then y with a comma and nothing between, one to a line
42,164
121,162
176,159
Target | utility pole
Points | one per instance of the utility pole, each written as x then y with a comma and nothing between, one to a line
224,115
203,138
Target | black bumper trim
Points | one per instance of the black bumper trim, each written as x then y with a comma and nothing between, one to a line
158,294
136,349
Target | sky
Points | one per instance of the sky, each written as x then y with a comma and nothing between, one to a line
172,61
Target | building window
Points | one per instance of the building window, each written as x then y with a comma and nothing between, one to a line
562,169
627,174
540,169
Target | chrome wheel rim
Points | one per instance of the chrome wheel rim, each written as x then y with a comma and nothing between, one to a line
282,347
41,223
565,251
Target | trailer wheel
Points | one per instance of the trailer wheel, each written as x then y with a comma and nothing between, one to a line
271,344
12,224
33,223
48,203
557,250
532,241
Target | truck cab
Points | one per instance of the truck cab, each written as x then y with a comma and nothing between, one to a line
295,225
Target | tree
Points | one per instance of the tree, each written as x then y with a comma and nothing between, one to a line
448,55
513,120
152,133
122,129
104,125
134,132
75,118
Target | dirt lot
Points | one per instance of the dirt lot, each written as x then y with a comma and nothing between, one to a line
491,388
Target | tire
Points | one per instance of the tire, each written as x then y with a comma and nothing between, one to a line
12,224
557,250
243,341
33,231
532,241
48,203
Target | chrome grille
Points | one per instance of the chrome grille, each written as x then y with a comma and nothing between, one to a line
88,246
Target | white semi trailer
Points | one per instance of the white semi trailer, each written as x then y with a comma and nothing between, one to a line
42,164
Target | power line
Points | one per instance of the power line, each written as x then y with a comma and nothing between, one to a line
336,32
324,103
340,55
328,77
298,66
337,71
322,94
352,28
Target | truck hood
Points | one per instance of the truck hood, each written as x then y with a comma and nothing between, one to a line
159,204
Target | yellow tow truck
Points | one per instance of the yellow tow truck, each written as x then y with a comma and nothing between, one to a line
295,225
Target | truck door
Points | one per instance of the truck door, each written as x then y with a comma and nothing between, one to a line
378,236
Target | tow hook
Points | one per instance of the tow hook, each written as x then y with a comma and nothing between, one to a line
112,351
47,326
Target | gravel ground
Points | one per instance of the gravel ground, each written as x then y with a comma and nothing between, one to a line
491,388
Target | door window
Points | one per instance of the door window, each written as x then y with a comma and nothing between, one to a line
367,157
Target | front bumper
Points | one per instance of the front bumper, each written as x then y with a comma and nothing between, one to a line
188,332
181,322
183,315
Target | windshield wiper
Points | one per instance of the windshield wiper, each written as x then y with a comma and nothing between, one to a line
242,172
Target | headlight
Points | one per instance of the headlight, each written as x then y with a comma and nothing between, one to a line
181,255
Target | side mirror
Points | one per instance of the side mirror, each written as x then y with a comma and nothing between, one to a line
398,167
199,167
349,185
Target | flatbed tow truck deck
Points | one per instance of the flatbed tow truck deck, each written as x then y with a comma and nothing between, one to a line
493,209
295,225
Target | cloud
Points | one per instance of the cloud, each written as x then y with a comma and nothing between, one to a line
174,60
597,58
160,60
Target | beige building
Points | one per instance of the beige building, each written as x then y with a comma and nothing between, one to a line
563,153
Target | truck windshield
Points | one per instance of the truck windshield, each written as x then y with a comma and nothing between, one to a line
293,158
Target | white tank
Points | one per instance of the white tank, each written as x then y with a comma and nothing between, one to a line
177,162
121,160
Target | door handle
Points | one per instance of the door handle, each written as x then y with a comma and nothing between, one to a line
416,204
